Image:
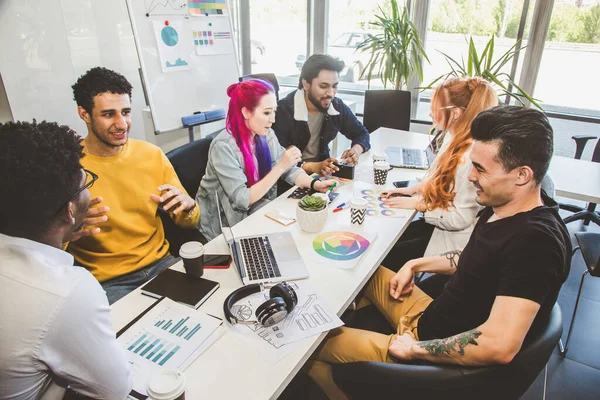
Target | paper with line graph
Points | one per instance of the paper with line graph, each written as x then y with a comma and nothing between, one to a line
170,335
310,317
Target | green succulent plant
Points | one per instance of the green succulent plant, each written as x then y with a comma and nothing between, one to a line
312,203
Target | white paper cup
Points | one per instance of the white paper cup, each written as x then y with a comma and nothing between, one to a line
358,211
192,254
167,384
379,157
380,172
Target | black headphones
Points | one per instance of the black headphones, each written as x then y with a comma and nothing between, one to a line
282,300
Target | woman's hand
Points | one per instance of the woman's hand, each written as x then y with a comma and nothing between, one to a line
323,186
289,158
400,201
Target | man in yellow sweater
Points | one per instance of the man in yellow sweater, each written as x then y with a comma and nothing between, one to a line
123,241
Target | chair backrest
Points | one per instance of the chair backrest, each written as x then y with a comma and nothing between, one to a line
364,379
265,77
596,153
189,162
387,108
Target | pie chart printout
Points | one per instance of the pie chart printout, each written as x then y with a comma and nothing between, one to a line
340,246
169,36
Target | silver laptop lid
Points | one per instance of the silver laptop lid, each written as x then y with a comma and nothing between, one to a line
229,238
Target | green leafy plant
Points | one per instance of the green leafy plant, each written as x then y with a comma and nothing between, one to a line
483,65
312,203
397,52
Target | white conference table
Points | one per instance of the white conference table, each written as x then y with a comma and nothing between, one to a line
231,370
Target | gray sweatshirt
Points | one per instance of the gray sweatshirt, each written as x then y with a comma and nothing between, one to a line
225,176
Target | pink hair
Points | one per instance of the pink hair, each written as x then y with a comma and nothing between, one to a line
248,94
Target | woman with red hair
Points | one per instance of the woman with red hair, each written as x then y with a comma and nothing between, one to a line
245,160
445,196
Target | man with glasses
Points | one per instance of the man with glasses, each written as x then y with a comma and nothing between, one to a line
123,242
55,319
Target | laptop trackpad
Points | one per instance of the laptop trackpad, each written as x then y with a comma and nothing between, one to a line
284,247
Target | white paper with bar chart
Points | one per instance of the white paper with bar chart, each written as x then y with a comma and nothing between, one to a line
170,335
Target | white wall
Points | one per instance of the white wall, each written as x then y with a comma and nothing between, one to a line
48,44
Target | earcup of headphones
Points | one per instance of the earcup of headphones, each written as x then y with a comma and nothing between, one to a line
271,311
287,293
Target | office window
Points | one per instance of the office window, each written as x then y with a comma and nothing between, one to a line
452,22
278,37
348,27
568,79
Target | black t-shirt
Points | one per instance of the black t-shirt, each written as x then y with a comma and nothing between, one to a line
527,255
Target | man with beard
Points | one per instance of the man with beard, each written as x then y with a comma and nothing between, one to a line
123,243
310,117
55,327
503,284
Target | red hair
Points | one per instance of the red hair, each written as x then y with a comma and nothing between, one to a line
248,94
472,95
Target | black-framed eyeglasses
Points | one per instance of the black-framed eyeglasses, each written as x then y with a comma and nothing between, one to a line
90,178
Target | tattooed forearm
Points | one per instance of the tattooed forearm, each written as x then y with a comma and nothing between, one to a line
452,256
446,346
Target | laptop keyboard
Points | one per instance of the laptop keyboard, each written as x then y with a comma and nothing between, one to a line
412,157
259,258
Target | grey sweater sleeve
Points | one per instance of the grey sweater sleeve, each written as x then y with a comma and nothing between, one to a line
230,173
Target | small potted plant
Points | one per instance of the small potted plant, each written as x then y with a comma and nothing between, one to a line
312,213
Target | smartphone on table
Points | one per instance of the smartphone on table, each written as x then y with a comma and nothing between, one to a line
217,261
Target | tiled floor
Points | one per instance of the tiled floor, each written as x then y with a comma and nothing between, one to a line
575,377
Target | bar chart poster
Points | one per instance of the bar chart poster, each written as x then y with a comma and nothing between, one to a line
165,337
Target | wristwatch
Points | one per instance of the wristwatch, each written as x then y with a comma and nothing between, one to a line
312,184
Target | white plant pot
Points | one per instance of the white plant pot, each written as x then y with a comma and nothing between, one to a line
311,221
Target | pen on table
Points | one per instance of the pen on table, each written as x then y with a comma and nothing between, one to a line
340,205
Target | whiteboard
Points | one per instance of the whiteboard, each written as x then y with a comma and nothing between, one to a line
165,28
48,44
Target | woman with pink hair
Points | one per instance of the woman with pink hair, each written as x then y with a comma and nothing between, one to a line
245,160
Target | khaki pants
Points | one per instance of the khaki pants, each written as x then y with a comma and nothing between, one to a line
348,344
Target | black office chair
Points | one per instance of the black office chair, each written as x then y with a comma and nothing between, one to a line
189,162
589,244
387,108
588,213
376,380
265,77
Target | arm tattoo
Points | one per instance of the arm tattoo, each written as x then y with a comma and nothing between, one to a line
446,346
451,256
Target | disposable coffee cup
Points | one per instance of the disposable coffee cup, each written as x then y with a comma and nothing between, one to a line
358,211
192,254
379,157
380,172
167,384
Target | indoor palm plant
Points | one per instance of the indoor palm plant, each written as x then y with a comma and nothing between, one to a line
396,50
483,65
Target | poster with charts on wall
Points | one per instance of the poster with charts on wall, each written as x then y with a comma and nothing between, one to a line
212,36
170,335
171,45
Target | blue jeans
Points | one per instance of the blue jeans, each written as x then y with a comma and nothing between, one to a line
120,286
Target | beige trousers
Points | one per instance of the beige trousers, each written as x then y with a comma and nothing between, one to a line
348,344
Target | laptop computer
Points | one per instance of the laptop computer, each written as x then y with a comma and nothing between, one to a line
263,258
410,158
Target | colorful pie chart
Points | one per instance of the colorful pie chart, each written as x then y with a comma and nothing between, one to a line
340,246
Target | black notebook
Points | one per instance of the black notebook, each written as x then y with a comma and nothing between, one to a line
180,287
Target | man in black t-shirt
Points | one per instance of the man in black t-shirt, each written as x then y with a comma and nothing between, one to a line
505,280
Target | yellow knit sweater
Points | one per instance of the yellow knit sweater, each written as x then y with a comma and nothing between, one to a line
133,237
